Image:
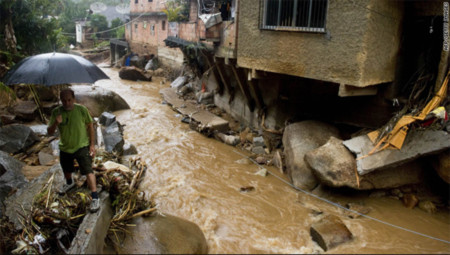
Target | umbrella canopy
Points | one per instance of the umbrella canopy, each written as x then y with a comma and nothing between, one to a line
54,69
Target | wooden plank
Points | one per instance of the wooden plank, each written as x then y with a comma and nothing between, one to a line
252,84
244,89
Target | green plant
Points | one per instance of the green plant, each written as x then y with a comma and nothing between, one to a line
120,29
102,44
99,23
94,38
177,10
194,55
7,92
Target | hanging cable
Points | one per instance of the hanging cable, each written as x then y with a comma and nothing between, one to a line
111,29
345,208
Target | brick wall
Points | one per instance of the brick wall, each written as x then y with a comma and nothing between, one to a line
148,31
188,31
146,6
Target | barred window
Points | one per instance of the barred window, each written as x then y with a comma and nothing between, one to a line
294,15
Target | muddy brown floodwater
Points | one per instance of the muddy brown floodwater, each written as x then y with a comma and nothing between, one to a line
199,179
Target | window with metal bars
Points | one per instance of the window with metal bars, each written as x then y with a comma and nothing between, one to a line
294,15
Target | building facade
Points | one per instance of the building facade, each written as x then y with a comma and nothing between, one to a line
148,28
276,61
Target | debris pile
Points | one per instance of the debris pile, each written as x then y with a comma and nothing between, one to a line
52,222
54,218
127,202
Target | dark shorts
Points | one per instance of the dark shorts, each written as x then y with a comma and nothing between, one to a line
83,158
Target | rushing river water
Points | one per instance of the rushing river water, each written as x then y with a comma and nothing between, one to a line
199,179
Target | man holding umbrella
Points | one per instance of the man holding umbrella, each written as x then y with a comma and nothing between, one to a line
77,140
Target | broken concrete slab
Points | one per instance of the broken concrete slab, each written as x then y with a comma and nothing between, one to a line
91,234
204,117
417,144
334,165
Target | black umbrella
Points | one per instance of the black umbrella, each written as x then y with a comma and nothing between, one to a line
54,69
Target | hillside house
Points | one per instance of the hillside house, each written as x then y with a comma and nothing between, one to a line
277,61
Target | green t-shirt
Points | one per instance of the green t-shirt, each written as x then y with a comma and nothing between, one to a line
73,129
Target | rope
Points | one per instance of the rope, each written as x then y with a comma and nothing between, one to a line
345,208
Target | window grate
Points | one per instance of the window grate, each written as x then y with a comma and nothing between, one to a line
294,15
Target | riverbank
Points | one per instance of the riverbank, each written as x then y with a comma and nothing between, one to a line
217,187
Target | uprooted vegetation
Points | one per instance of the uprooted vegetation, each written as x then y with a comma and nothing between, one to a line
52,223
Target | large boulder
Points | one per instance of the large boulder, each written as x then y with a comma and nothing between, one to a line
335,166
164,234
107,118
25,110
134,74
99,100
298,139
16,137
129,149
441,164
11,177
113,137
330,232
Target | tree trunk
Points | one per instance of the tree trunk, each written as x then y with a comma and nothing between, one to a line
10,38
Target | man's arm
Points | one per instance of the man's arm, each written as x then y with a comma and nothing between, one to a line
90,128
52,128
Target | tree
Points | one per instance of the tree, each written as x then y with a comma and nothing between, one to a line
120,29
99,23
69,12
34,26
10,38
177,10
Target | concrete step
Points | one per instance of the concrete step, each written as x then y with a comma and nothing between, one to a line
188,109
